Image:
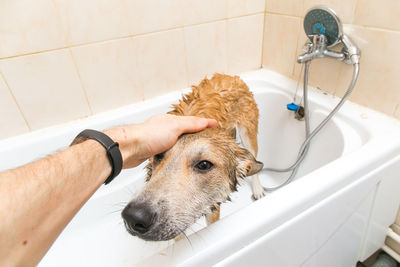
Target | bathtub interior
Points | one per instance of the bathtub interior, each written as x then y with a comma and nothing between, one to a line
96,236
281,135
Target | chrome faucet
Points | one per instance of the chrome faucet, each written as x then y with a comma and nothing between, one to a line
318,48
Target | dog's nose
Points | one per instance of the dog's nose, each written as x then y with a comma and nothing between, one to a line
138,217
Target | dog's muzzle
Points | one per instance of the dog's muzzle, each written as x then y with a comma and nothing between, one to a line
138,218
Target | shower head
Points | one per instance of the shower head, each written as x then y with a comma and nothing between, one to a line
323,20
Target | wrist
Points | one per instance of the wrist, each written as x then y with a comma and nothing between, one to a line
129,140
97,157
111,147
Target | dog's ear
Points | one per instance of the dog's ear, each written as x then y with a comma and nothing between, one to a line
232,132
247,165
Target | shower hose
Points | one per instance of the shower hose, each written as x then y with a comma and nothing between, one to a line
310,135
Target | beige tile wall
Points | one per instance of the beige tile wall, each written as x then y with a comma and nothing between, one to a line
61,60
374,25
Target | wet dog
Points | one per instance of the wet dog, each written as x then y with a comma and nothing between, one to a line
200,171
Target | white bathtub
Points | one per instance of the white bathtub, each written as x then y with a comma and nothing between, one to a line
335,213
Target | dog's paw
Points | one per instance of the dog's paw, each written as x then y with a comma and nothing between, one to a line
178,238
258,192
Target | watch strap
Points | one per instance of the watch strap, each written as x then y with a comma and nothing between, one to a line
112,148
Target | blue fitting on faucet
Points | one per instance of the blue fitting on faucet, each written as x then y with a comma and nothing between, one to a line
292,106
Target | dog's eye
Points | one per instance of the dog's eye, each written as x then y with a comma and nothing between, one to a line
204,165
159,157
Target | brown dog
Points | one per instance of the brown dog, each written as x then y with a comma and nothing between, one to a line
200,171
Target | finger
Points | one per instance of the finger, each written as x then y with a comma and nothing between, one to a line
211,123
190,124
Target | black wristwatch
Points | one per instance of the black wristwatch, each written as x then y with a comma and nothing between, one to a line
112,148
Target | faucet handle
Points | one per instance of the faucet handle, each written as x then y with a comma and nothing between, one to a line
307,47
320,40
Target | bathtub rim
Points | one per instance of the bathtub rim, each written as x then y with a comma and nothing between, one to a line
352,110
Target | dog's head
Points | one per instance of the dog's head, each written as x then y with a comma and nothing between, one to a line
186,182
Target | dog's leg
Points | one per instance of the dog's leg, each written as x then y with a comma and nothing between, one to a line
257,188
250,143
213,216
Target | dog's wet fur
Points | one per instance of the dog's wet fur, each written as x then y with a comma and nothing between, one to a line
201,170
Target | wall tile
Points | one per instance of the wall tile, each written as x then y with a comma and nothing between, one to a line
323,73
92,20
11,120
244,43
201,11
299,51
28,26
153,15
344,9
279,51
161,62
243,7
378,84
109,74
206,50
294,8
384,13
47,88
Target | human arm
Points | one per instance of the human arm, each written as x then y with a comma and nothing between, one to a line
39,199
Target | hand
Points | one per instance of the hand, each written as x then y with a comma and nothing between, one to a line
158,134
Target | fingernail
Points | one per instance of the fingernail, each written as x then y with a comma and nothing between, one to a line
215,123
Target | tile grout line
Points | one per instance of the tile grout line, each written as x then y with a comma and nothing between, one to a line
181,27
263,37
126,15
395,109
126,36
15,101
186,59
226,35
282,14
59,20
80,81
226,42
368,27
339,74
354,11
139,83
263,34
374,28
67,42
297,45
